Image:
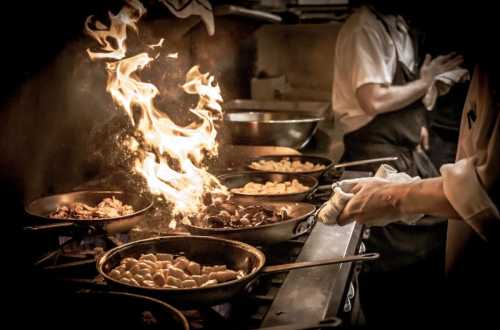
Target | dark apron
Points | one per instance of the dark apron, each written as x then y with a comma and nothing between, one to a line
397,133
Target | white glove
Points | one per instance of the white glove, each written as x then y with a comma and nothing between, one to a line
329,212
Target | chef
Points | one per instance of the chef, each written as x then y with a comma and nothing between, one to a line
467,192
379,83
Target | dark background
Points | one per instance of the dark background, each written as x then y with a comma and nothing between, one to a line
34,36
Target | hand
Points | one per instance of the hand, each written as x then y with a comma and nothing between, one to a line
372,201
441,64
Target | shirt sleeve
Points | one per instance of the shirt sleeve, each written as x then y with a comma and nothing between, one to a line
370,64
472,185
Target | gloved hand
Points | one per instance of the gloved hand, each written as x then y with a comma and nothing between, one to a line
372,201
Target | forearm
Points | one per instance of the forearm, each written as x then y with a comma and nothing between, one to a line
425,196
376,99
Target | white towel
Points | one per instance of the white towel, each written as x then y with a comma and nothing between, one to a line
330,211
186,8
442,85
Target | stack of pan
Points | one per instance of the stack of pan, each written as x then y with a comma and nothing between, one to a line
297,205
208,246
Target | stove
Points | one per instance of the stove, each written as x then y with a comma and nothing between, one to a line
272,300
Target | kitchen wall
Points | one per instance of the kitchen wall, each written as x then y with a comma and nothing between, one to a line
301,56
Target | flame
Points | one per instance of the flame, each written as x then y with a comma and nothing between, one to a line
171,156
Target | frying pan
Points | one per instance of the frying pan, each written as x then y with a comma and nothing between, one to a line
265,234
328,163
111,310
206,251
41,208
238,180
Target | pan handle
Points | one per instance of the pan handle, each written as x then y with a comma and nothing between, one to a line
312,194
365,161
308,223
49,227
306,264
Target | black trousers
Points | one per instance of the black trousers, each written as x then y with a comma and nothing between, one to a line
404,298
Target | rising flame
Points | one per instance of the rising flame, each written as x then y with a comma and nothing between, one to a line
171,156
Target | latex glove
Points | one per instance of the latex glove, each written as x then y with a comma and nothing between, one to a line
374,203
342,193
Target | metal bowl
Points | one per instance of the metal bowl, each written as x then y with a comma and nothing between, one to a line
286,129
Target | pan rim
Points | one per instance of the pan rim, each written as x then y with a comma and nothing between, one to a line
306,118
168,306
248,277
28,206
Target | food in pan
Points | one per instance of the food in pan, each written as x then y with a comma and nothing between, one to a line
271,188
230,215
107,208
286,165
163,270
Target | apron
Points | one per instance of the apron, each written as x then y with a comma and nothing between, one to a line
397,133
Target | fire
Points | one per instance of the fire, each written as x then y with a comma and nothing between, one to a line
170,156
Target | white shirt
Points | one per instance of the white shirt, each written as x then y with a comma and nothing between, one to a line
365,53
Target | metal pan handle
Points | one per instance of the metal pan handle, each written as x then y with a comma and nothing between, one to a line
313,193
307,264
49,227
365,161
304,226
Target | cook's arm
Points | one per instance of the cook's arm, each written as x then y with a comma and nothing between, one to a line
424,197
381,98
379,199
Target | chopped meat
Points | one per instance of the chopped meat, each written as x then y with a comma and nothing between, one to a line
171,277
230,215
110,207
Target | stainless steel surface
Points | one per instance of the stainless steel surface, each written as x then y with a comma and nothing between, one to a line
307,264
266,234
42,207
317,293
238,180
286,129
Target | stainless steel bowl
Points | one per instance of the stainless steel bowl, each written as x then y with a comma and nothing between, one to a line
286,129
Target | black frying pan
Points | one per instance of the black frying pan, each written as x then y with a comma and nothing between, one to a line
41,208
89,309
206,251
